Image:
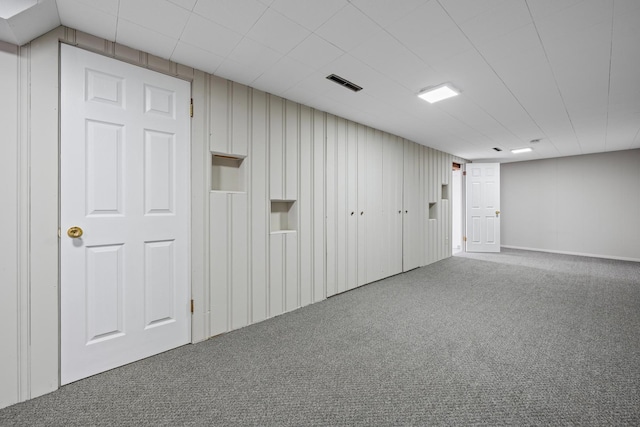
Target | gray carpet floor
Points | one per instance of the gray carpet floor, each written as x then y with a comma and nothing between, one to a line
516,338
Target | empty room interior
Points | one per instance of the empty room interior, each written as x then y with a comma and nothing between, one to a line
306,212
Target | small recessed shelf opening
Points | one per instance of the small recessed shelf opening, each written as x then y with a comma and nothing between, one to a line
283,216
227,173
445,191
433,211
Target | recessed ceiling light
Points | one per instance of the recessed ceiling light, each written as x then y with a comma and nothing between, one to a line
438,93
521,150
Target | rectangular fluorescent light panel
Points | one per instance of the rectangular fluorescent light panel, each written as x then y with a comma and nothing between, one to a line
521,150
438,93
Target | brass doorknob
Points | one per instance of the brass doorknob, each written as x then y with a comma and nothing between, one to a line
497,213
74,232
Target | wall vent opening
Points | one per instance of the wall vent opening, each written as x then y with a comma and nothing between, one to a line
344,82
497,149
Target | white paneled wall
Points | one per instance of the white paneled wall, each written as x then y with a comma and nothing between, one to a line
344,188
10,291
346,205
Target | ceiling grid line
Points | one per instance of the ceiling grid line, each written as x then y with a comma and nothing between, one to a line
606,129
555,78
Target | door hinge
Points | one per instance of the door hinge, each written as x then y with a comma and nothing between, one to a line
191,108
464,173
464,238
192,306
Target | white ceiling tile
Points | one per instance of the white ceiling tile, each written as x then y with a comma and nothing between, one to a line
285,74
463,10
348,28
309,14
137,37
238,15
186,4
315,52
278,32
196,57
237,72
384,12
421,24
574,22
386,55
254,55
496,22
431,34
157,15
522,42
107,6
543,8
90,20
209,36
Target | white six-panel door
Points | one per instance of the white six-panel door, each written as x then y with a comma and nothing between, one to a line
124,174
483,207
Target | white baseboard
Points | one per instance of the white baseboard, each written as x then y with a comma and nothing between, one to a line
572,253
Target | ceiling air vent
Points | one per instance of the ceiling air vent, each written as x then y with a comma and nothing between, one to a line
497,149
344,82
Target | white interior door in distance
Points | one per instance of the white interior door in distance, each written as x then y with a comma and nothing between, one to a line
124,213
483,207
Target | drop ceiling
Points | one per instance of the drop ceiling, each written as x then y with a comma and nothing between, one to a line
566,72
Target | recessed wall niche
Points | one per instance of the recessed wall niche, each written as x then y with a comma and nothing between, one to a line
445,191
283,216
433,211
227,173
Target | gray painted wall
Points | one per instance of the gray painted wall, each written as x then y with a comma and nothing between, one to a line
587,205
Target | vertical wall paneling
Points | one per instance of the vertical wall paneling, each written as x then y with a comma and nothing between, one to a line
220,206
43,224
292,141
291,271
9,226
219,109
353,262
374,223
331,205
318,212
361,184
260,206
341,214
229,107
277,273
392,165
228,261
306,203
200,170
240,119
412,239
276,148
239,280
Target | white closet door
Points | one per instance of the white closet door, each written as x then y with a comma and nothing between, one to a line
363,136
392,191
125,182
412,217
374,229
